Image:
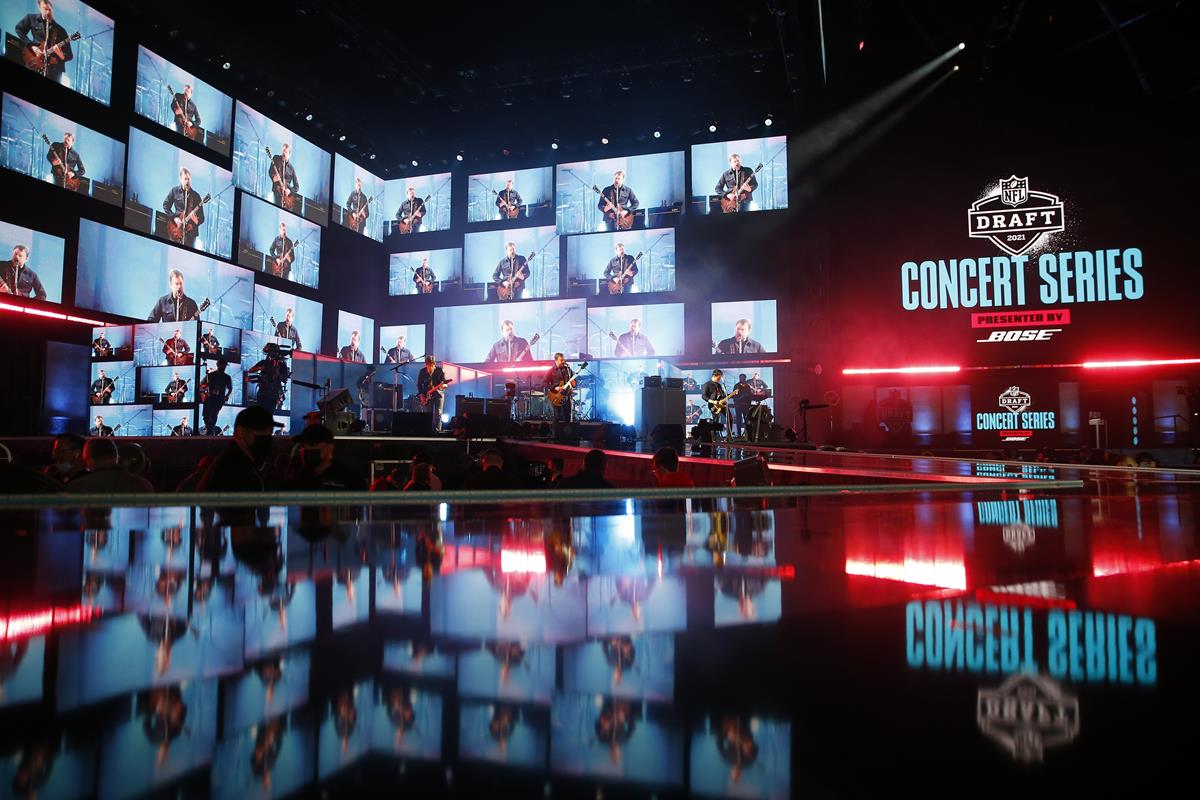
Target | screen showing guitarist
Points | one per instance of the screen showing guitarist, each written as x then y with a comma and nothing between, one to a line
175,306
736,186
284,185
288,330
102,389
99,429
510,274
411,212
17,278
740,343
209,342
214,393
186,209
65,163
101,346
620,271
400,354
273,375
633,343
559,386
187,116
282,254
176,349
510,348
431,385
176,390
508,202
46,40
618,202
351,352
717,398
357,207
424,278
182,429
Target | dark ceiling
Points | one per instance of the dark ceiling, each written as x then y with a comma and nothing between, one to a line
501,81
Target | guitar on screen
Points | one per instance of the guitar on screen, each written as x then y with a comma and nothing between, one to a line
60,169
202,308
184,225
425,286
424,397
509,210
181,121
179,392
359,216
98,397
528,347
41,60
407,223
731,200
279,186
283,261
618,284
622,216
173,358
511,286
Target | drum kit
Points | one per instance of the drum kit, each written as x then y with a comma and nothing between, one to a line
531,402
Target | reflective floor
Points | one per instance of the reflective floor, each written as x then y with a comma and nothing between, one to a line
832,645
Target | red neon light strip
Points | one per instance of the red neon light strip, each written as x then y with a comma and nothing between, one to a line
36,622
899,370
37,312
1154,362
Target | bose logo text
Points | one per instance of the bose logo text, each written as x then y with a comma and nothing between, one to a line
1035,335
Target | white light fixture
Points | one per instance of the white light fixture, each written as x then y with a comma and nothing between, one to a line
712,128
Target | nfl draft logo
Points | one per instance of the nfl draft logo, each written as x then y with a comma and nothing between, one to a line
1027,714
1014,218
1014,400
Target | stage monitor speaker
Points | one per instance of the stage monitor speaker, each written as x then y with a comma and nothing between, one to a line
482,426
412,423
336,401
465,405
652,382
500,408
667,435
653,407
751,472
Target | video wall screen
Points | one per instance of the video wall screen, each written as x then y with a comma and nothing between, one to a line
739,176
179,101
591,733
160,344
419,204
236,376
626,262
518,197
424,271
66,41
295,320
759,386
355,338
519,264
271,162
279,243
744,327
122,420
612,194
174,422
400,344
254,364
133,276
512,333
33,263
167,386
50,148
357,198
174,195
112,343
219,341
113,382
636,331
513,734
715,766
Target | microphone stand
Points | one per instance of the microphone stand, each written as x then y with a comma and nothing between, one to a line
584,187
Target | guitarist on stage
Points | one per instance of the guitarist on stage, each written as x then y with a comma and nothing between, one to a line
508,200
184,204
730,186
513,269
633,342
282,250
176,389
284,184
176,349
102,389
17,278
187,116
174,306
556,378
63,154
101,346
219,387
431,381
510,348
622,264
619,195
100,429
288,330
424,277
717,398
40,32
357,207
412,210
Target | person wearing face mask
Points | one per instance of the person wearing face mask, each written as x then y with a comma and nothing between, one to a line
313,466
240,467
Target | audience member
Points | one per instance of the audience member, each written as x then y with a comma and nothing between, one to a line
554,472
189,483
104,472
134,458
492,477
422,475
313,466
665,466
66,459
421,456
592,474
238,467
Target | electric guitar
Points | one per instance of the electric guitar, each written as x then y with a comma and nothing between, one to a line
425,286
424,397
204,390
288,197
102,348
283,262
617,285
59,168
528,347
210,344
731,200
179,392
621,349
560,394
173,358
98,397
180,226
4,287
40,60
407,223
718,407
116,428
511,286
202,308
622,216
182,123
506,208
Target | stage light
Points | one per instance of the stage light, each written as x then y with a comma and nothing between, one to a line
956,67
900,370
604,140
658,134
342,138
554,145
1158,362
459,157
372,156
768,121
712,128
226,65
861,44
414,163
308,117
962,45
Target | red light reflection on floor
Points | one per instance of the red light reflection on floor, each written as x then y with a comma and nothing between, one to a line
35,622
944,574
